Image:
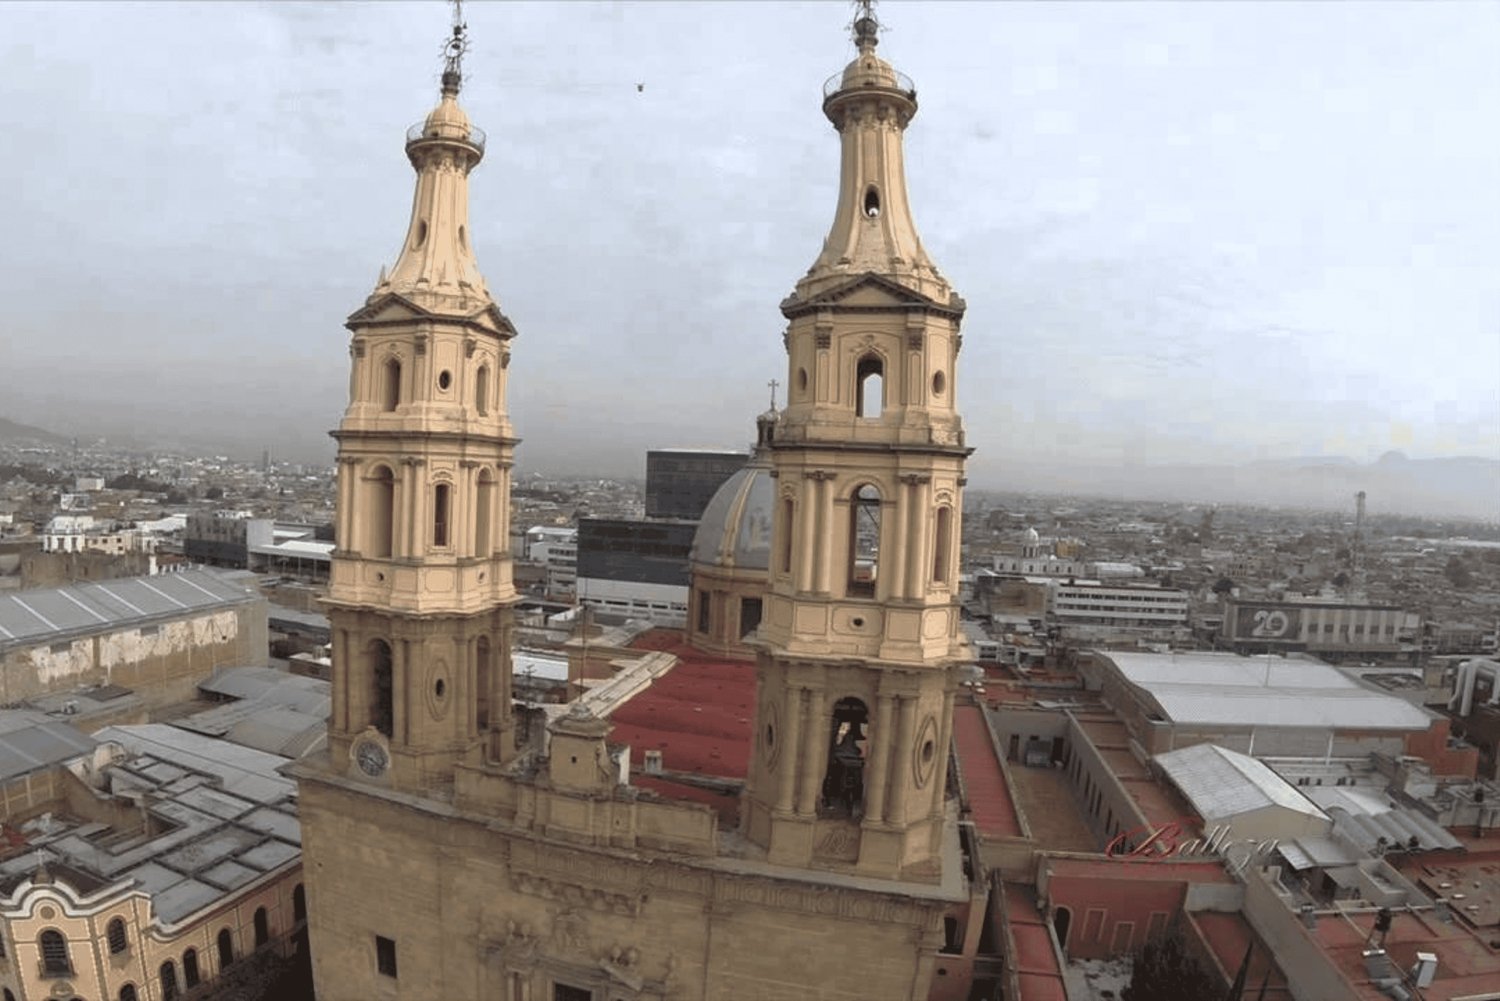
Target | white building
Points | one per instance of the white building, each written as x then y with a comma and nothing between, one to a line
1093,609
557,550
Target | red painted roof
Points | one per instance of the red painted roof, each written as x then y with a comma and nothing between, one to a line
699,714
989,794
1228,935
1034,960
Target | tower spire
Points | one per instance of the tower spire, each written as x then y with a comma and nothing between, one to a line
873,232
436,266
453,51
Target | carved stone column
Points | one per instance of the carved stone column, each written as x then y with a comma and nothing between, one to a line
814,751
880,761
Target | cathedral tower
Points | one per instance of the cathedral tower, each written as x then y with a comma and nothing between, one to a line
421,588
860,640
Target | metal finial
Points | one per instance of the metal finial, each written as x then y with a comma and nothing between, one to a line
866,25
773,384
453,51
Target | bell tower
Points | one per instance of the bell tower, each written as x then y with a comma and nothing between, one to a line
420,593
860,643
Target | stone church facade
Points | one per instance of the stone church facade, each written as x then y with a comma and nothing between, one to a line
453,848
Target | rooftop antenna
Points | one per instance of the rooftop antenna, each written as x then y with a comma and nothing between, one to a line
1357,548
454,49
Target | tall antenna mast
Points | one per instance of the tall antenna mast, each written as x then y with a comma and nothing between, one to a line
454,49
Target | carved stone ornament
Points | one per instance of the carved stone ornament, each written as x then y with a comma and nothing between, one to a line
570,932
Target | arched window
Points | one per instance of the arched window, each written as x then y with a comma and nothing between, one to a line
190,968
299,904
380,511
262,927
482,390
484,502
127,993
168,980
942,543
440,496
390,389
11,997
382,687
482,681
114,934
226,948
848,739
864,541
55,961
787,511
869,386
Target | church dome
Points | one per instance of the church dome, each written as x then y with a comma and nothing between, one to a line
735,531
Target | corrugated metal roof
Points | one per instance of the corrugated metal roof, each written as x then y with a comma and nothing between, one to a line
1221,784
48,615
30,741
1225,689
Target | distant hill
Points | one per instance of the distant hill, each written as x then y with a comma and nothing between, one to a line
11,431
1466,486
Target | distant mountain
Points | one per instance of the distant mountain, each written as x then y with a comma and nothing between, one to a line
1465,486
11,431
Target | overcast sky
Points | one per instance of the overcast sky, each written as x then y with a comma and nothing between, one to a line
1186,232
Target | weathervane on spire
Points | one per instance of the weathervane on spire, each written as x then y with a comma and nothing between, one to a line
866,25
453,51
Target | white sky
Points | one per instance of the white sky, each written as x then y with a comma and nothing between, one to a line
1186,232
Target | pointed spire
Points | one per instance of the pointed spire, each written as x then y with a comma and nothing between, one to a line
437,259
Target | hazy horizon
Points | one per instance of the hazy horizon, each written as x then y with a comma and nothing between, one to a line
1186,233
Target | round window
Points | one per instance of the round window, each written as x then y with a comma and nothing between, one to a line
445,379
939,383
801,380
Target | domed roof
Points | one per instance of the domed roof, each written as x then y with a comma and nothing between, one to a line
735,531
1032,536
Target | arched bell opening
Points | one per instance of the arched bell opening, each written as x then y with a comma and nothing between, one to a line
848,745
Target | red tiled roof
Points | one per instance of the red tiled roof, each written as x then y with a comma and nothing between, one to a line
1034,961
989,795
699,714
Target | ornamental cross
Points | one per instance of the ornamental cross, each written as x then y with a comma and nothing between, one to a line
773,384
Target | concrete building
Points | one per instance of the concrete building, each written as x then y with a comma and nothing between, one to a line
158,636
1260,706
146,863
1331,629
457,847
636,568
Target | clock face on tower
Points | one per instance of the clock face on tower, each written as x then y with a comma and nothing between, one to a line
371,757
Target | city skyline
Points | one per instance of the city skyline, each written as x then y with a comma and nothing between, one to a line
1185,254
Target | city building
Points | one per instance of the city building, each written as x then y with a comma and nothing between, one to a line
1331,629
157,636
1092,610
458,847
636,568
680,481
144,862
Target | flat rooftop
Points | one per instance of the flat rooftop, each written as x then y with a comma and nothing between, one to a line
1226,689
222,817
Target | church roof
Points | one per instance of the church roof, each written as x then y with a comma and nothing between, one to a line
735,530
